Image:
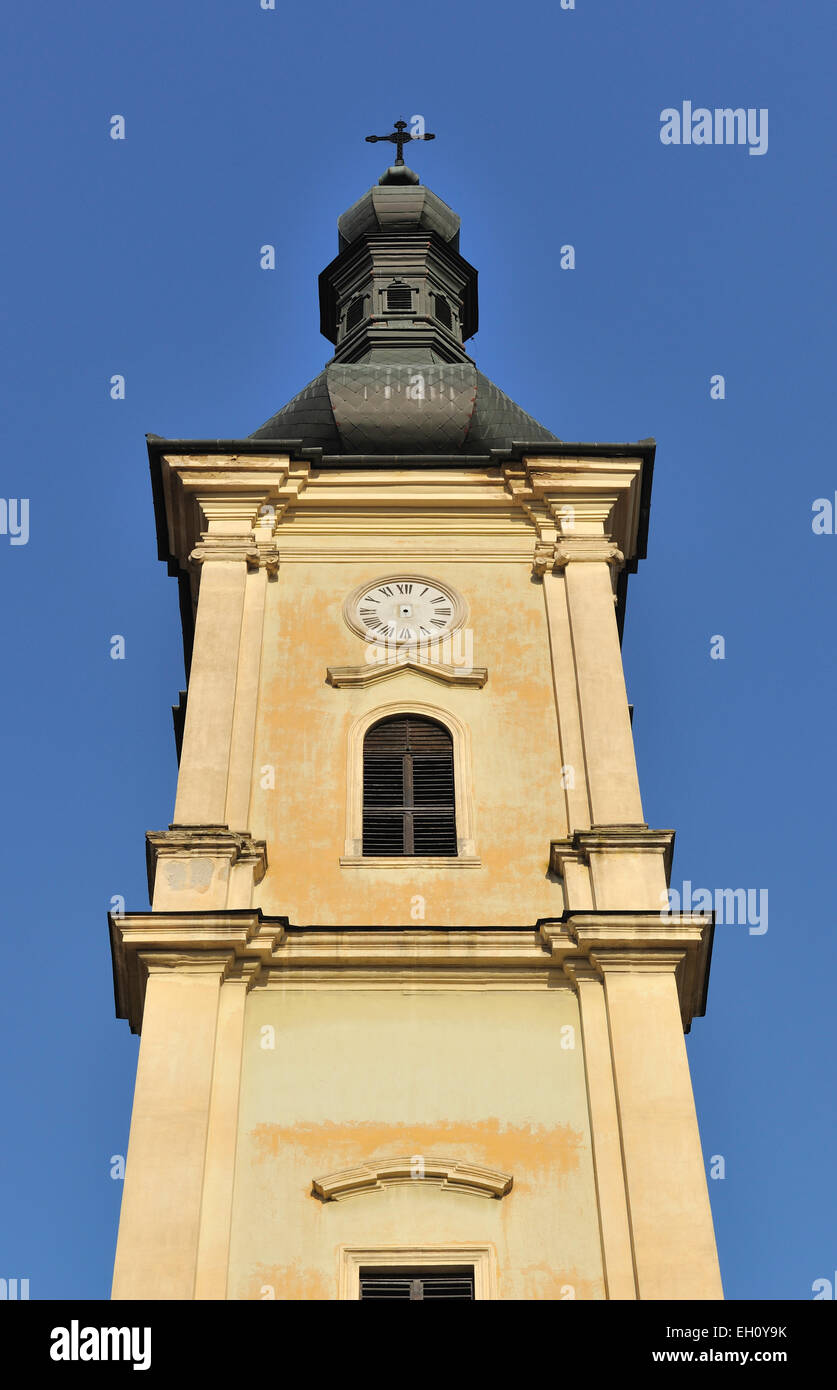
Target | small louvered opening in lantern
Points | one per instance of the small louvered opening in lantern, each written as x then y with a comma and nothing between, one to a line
399,297
354,314
441,309
409,805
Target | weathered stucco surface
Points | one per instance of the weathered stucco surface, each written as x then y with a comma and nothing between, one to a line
479,1076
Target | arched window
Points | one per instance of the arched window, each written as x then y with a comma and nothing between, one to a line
409,806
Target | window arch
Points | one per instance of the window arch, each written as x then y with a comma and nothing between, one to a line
465,855
409,803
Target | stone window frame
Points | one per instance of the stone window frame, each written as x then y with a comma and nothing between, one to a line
466,856
353,1258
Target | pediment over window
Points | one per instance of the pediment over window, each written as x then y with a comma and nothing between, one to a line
361,676
447,1173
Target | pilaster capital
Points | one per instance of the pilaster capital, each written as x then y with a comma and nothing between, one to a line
244,972
640,961
232,549
556,555
214,964
581,972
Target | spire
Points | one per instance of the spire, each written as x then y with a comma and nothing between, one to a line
399,302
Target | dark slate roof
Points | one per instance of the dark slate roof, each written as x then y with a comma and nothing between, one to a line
398,208
308,417
403,408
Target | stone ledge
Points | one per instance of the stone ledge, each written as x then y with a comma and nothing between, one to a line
547,956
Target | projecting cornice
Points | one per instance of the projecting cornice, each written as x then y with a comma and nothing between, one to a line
600,482
448,1173
344,505
279,956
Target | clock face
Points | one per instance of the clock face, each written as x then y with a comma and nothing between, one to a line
403,609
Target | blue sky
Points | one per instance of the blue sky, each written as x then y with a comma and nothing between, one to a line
141,257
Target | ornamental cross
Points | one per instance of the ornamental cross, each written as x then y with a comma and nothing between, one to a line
399,138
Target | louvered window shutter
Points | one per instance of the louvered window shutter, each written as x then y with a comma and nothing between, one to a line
354,313
442,310
416,1286
399,296
409,807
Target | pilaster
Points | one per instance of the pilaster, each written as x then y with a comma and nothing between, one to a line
158,1229
671,1219
222,1134
610,762
228,546
611,1195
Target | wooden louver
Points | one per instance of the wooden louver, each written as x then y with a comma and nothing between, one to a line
354,313
414,1286
408,789
399,297
442,310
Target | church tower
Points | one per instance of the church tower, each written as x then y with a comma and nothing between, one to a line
412,1005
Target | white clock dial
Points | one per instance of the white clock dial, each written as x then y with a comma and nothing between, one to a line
404,609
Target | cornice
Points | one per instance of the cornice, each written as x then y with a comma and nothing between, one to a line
180,941
600,490
607,486
547,956
649,940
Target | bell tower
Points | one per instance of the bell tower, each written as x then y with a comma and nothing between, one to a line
412,1004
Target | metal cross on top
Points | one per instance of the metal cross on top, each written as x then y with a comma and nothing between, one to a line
399,138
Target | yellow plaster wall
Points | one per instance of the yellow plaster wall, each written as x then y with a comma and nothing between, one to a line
358,1075
302,732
